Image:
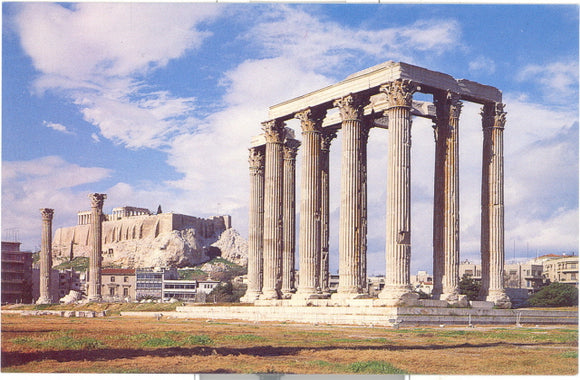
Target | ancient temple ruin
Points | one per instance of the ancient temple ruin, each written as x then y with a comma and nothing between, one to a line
381,96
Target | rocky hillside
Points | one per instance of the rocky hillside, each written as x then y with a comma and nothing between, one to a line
182,248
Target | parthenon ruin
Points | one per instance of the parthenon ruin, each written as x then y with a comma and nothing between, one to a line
381,96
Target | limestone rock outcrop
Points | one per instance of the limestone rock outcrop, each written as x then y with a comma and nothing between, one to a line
233,247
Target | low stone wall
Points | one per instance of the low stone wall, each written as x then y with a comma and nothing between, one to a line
373,316
59,313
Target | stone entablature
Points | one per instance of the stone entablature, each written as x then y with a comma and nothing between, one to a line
381,96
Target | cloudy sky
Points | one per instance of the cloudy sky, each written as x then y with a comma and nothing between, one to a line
155,104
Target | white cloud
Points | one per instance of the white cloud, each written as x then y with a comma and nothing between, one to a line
326,46
558,81
481,65
92,41
57,127
96,53
49,182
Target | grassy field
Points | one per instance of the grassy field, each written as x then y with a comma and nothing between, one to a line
117,344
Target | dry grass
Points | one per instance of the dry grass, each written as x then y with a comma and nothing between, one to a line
141,345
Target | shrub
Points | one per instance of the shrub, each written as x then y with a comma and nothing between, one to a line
469,287
555,294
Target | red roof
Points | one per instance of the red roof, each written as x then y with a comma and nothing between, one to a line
118,271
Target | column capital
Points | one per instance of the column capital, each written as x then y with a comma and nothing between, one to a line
327,136
455,105
399,93
274,131
291,149
97,200
256,160
311,119
350,106
47,213
493,115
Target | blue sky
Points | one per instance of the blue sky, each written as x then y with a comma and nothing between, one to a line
156,104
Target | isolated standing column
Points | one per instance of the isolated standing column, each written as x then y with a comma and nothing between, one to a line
256,225
492,206
398,289
310,238
273,187
289,218
45,256
97,200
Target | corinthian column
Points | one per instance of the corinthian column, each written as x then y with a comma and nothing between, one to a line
398,289
97,200
327,136
311,123
289,217
272,280
256,225
351,112
45,256
492,206
446,201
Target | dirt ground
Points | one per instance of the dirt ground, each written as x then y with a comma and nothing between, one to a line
146,345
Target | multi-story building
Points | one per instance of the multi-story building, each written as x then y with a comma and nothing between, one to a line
563,269
61,283
470,269
118,284
149,281
16,274
523,276
188,290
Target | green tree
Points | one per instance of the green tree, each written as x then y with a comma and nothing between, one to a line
555,294
227,292
469,287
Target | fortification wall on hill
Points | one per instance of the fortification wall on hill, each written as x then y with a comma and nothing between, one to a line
164,239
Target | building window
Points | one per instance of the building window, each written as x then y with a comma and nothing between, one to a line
125,292
112,291
125,279
112,278
572,276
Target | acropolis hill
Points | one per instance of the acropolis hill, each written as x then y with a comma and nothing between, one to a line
135,237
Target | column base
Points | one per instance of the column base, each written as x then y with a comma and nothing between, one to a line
348,296
309,294
455,299
398,296
287,293
271,294
44,301
250,297
500,299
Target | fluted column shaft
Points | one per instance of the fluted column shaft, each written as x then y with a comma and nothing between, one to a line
256,225
492,205
446,199
273,186
95,259
327,137
45,256
451,222
289,217
351,111
398,250
310,239
364,204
